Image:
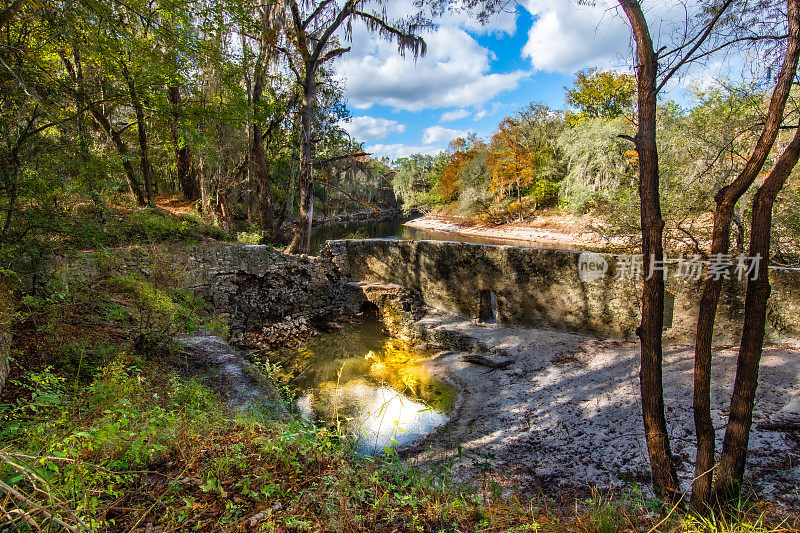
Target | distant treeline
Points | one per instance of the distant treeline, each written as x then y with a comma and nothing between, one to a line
584,161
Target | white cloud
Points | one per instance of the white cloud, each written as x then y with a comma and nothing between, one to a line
393,151
503,22
483,113
370,128
439,135
456,72
456,114
566,36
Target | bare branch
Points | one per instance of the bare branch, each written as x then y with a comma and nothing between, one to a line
701,38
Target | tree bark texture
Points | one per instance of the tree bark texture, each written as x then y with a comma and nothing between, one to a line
301,243
187,178
726,200
259,159
734,447
141,127
665,479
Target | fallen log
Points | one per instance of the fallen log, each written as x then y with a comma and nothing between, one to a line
484,361
779,426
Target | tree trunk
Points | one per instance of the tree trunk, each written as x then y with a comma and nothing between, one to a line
7,14
734,448
6,314
665,479
187,178
301,243
726,200
259,160
141,127
80,123
130,175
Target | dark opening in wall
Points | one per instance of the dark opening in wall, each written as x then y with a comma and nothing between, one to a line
487,306
369,310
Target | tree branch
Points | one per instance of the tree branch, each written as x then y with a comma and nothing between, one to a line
698,44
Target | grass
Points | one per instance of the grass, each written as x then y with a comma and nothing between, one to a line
102,429
141,447
119,226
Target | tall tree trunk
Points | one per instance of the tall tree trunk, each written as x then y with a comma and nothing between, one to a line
141,127
734,448
187,177
259,159
6,313
665,479
80,122
726,200
130,175
7,14
301,243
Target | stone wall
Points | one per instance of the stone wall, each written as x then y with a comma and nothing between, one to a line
253,286
250,287
541,288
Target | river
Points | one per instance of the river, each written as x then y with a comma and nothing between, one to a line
394,228
360,381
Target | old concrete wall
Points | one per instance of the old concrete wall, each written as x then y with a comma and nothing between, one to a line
542,288
251,286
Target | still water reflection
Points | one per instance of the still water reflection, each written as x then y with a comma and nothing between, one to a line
395,228
368,384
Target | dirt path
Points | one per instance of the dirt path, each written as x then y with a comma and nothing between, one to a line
565,413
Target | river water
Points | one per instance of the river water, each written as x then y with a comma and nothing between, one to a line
357,379
360,381
394,228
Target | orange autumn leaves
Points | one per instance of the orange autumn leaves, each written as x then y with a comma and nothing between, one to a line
512,164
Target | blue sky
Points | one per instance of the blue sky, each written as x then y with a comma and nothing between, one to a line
475,75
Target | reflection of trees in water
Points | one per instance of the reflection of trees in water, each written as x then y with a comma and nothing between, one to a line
352,370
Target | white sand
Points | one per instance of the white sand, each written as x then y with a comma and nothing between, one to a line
566,413
565,232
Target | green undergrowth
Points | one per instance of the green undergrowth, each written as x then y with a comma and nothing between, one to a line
117,227
104,428
141,447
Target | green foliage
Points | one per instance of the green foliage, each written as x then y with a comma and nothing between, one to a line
544,192
144,226
159,314
598,160
416,180
602,94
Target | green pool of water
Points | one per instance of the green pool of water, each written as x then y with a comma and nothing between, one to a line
360,380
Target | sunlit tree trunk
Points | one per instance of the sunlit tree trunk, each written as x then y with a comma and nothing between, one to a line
665,479
726,200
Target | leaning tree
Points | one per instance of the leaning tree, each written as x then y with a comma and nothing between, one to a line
716,26
651,78
311,41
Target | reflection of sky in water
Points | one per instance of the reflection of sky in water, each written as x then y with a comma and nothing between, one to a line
375,413
377,388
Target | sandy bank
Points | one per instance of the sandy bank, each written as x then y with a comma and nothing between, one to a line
566,413
547,231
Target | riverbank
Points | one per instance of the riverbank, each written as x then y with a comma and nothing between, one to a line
552,231
561,413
